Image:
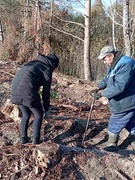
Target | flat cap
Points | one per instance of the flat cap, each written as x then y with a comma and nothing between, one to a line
106,51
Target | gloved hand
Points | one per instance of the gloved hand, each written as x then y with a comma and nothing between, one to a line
47,113
97,96
94,91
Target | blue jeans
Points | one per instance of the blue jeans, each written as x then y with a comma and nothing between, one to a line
118,121
26,114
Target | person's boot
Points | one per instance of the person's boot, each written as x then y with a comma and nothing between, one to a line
36,140
132,137
24,140
112,143
133,144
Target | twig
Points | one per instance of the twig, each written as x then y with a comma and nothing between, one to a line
7,73
68,106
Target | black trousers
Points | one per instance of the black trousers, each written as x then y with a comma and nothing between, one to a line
37,111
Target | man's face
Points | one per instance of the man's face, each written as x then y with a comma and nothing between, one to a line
108,59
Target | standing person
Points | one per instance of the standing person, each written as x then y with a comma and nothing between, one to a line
25,92
119,88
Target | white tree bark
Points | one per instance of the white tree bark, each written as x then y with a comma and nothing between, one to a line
37,18
113,29
26,9
126,28
51,14
87,67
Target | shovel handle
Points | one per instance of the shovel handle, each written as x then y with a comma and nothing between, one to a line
89,117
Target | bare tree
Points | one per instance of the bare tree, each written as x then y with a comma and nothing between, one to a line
86,40
37,16
86,26
126,27
26,9
132,26
51,15
125,23
87,65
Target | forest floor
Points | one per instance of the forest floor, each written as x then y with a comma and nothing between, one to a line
61,154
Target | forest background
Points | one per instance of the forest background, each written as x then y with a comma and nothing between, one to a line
30,26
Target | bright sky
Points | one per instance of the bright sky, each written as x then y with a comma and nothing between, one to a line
80,8
107,2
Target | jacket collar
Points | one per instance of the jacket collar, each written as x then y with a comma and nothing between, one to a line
117,57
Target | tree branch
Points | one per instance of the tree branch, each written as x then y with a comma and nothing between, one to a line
112,18
64,32
7,73
71,22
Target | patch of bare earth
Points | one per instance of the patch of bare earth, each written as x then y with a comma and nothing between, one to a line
61,155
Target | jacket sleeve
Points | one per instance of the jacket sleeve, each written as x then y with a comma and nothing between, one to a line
103,83
119,81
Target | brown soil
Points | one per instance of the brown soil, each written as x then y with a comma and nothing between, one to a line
62,155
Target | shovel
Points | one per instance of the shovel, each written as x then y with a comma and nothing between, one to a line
89,117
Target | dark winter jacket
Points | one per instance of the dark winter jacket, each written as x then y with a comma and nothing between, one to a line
28,80
119,84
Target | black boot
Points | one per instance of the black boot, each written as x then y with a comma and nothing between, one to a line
36,140
112,143
132,137
133,144
24,140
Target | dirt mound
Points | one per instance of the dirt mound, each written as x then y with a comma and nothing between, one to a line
61,155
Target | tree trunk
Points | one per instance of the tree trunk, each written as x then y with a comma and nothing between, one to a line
126,28
1,32
113,29
37,18
25,18
26,9
51,14
87,65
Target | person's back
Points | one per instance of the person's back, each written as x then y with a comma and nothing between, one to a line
30,75
29,79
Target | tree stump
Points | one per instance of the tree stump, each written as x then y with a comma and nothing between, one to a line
11,110
44,152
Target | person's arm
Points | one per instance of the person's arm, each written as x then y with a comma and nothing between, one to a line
119,81
46,94
101,86
103,83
